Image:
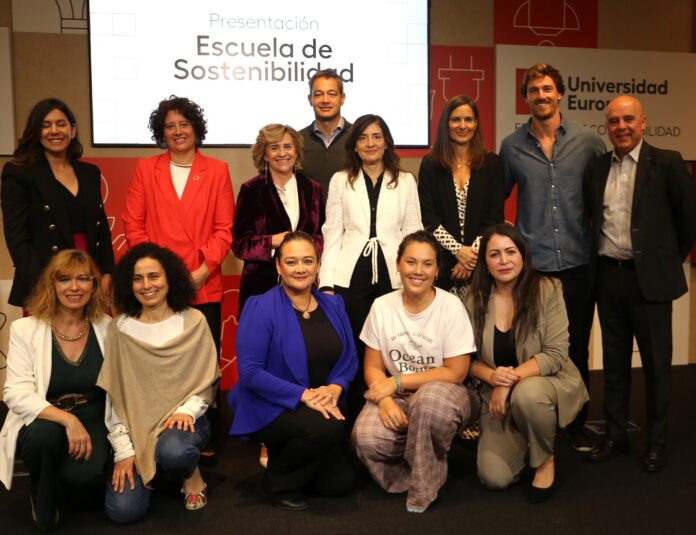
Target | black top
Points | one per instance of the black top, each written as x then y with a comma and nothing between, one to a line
504,348
323,346
373,194
77,208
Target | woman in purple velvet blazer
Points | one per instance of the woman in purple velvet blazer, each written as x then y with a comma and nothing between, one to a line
270,205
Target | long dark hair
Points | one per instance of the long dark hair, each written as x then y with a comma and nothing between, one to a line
353,162
29,149
443,149
181,292
525,294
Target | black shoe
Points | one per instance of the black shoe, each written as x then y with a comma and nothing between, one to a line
655,458
608,449
291,504
579,439
539,495
208,457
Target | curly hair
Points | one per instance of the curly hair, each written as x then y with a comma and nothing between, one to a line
274,133
189,109
43,302
181,291
443,149
525,294
353,163
29,149
420,236
539,71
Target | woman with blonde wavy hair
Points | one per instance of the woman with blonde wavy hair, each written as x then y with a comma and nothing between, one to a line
276,201
56,413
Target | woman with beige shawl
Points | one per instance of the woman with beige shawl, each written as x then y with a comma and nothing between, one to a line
161,371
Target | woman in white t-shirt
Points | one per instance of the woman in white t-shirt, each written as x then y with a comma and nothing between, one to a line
418,340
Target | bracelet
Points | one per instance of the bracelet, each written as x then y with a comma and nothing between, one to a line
397,380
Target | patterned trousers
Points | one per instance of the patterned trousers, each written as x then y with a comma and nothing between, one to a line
415,460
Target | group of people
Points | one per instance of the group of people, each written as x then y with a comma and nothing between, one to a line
380,314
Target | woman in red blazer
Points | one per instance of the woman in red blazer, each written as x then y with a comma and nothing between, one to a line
183,201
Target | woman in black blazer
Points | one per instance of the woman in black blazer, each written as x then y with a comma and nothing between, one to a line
51,200
460,187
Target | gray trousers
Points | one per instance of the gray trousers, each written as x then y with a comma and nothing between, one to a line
527,430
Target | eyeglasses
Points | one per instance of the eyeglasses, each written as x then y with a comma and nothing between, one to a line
81,280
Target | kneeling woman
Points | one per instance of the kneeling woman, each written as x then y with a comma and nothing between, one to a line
161,372
296,358
529,385
418,340
56,413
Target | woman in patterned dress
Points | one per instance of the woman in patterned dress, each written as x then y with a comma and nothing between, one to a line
460,187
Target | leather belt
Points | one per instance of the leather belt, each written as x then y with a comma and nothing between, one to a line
626,263
70,402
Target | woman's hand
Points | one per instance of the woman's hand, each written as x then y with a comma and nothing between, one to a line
200,275
311,398
277,238
181,421
504,376
123,470
497,404
379,390
459,272
467,257
392,416
79,441
327,395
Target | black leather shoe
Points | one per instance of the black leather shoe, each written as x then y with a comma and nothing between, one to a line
539,495
655,458
608,449
291,504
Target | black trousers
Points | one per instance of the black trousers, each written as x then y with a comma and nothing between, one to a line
580,309
305,454
43,447
623,314
358,299
213,315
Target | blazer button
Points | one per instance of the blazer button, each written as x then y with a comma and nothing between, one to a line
101,205
96,244
52,226
98,223
54,248
46,208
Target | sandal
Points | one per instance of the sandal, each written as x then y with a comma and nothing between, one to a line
195,500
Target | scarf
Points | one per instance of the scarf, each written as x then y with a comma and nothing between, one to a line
148,383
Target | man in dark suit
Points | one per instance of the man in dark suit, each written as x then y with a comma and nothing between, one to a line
643,210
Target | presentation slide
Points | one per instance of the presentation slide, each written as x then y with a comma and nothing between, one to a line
247,64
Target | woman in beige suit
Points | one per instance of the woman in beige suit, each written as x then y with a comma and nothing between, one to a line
528,383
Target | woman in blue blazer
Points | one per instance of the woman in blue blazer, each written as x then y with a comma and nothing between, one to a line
296,358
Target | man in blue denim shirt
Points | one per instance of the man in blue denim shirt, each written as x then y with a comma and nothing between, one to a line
546,157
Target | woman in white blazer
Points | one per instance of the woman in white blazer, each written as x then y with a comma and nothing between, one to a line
372,205
56,413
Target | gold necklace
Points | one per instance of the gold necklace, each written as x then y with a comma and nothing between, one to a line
187,165
305,313
67,338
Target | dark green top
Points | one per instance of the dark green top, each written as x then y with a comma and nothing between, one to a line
78,377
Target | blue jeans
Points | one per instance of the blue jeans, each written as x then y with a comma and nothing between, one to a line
176,451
